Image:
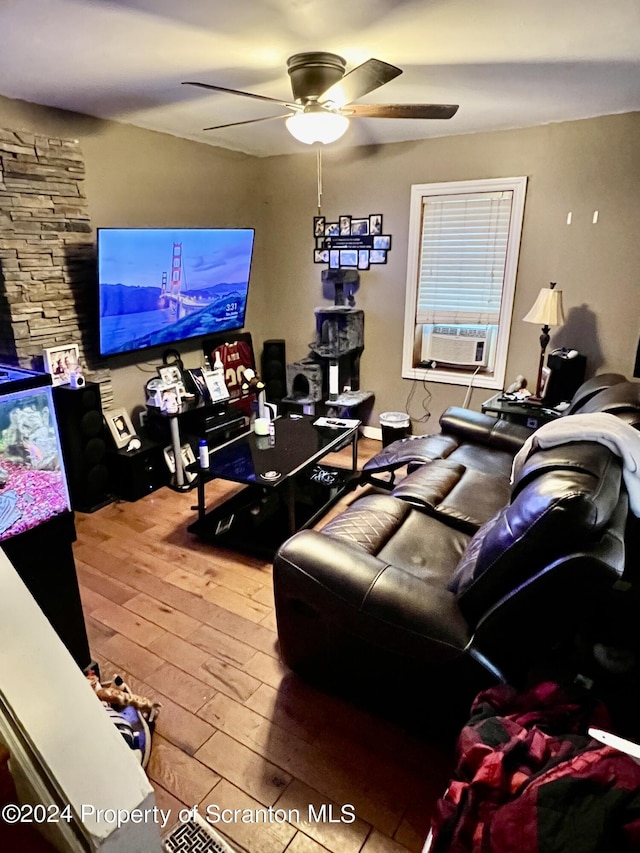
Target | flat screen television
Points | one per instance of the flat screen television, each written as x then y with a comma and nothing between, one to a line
159,286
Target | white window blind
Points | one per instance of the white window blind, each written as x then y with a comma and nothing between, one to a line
462,257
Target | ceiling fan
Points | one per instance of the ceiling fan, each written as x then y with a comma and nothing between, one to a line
323,97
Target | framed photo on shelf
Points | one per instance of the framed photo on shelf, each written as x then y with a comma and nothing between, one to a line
215,386
60,362
188,458
196,376
170,374
170,398
120,426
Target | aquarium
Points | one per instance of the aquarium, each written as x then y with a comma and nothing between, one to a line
33,485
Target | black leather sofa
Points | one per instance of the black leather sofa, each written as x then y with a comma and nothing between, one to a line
450,579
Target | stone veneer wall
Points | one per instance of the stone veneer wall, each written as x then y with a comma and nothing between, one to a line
47,254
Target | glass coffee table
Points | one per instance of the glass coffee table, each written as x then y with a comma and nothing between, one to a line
286,486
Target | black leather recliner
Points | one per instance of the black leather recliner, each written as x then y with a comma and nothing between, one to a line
454,579
607,392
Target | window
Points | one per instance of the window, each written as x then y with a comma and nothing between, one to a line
464,240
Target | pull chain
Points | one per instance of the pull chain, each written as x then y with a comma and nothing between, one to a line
319,172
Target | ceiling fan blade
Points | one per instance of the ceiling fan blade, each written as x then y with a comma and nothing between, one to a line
238,92
359,82
248,121
401,110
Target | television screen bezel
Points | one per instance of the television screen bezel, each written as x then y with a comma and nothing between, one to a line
177,341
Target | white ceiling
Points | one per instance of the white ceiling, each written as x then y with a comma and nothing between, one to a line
508,63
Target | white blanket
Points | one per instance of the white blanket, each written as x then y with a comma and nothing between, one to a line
618,436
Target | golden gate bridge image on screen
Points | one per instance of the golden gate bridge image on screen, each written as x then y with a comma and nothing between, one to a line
174,294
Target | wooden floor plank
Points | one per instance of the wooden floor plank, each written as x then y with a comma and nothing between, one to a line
217,644
244,768
124,622
227,679
162,614
181,775
183,688
324,820
139,661
193,627
254,834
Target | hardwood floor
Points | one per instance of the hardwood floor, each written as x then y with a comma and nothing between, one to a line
193,627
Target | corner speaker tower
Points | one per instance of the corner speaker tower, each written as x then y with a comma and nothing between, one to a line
273,370
79,415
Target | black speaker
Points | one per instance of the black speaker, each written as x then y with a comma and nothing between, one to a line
82,436
566,376
273,367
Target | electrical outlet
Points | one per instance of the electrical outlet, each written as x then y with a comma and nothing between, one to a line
143,419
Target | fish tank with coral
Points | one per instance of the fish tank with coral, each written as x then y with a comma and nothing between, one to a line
33,483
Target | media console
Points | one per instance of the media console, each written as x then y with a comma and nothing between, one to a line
213,421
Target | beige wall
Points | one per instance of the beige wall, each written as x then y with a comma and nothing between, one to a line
137,177
577,166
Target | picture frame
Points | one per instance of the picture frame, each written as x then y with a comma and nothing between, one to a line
382,241
318,226
120,427
363,259
170,374
236,352
188,458
60,362
345,225
216,387
331,229
170,397
198,384
348,257
359,227
375,223
378,256
321,256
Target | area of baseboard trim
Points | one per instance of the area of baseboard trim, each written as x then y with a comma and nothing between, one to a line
371,432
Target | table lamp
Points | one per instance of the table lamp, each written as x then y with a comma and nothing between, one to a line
547,311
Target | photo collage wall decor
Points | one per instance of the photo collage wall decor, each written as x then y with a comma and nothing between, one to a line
352,242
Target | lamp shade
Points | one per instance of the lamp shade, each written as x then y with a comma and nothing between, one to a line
317,125
547,310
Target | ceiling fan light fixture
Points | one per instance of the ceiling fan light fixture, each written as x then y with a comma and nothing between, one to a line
317,126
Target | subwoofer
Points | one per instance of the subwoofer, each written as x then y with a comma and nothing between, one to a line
273,367
82,436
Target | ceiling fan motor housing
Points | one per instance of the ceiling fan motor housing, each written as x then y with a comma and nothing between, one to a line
313,73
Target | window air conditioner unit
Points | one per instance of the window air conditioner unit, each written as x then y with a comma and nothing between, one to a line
459,346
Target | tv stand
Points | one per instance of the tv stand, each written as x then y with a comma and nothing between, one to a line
213,421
